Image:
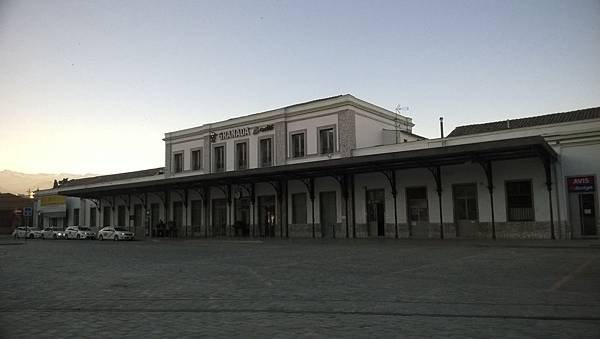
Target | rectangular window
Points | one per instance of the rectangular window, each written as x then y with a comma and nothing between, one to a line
178,162
326,141
219,158
241,155
298,145
299,208
121,216
76,217
519,201
196,159
92,216
266,152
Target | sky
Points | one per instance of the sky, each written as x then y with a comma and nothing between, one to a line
92,86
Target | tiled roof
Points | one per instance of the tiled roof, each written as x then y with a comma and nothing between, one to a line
547,119
114,177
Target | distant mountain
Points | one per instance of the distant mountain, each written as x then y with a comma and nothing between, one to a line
19,183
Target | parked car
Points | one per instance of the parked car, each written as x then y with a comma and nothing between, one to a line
19,232
79,232
34,233
53,233
115,233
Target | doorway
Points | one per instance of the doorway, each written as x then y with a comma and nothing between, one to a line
587,213
266,215
242,217
327,213
219,217
376,212
466,214
417,211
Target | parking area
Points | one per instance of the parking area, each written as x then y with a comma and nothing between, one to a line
311,288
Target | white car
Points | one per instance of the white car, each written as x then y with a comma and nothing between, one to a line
23,232
114,233
53,233
79,232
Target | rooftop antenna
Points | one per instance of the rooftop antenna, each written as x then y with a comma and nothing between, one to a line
397,122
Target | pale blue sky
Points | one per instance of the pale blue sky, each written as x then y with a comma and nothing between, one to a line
91,86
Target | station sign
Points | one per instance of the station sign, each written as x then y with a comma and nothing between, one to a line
239,132
53,200
581,184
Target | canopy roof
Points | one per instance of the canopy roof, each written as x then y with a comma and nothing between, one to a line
516,148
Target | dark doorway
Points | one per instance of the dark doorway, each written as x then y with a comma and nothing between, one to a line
266,215
466,214
328,213
106,216
587,211
418,212
242,217
219,217
376,212
137,217
177,220
154,218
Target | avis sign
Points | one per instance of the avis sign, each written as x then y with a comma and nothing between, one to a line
581,184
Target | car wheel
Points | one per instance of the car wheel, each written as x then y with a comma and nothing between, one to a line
116,238
78,237
31,236
100,238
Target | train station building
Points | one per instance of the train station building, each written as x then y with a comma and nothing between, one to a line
341,167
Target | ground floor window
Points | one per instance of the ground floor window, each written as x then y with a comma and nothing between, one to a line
519,201
465,202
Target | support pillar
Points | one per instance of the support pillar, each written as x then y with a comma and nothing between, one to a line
353,207
437,175
487,168
310,187
391,176
548,171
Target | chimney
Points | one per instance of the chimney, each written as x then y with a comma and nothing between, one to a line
442,127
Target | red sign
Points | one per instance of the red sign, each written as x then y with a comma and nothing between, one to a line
581,184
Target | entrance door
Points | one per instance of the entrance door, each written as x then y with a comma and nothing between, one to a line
418,212
178,220
219,217
242,217
106,216
328,213
466,215
587,212
137,220
266,215
154,219
376,212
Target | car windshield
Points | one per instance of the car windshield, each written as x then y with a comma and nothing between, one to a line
120,229
84,229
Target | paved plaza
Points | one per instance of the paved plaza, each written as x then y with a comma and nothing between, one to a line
299,288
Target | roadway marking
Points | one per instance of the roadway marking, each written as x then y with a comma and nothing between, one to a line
569,276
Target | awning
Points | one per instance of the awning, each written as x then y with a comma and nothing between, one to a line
507,149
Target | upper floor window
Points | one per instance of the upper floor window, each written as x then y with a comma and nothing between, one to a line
219,158
178,162
519,201
241,155
265,152
326,140
197,159
298,150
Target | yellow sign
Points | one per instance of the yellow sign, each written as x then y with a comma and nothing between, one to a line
53,200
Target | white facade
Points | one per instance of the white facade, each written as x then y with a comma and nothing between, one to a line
523,207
